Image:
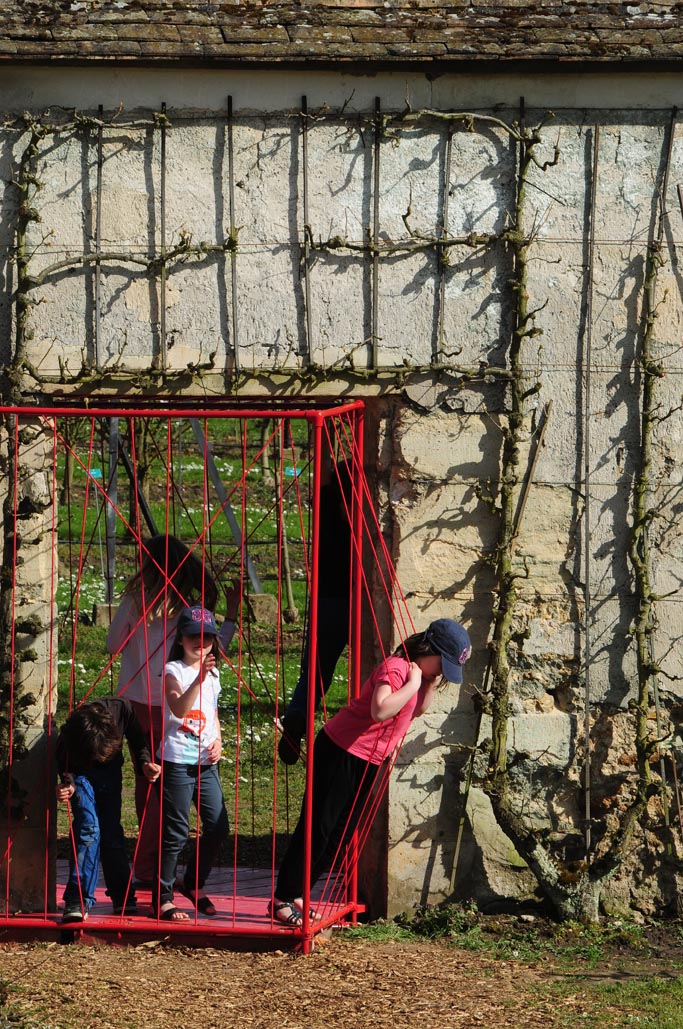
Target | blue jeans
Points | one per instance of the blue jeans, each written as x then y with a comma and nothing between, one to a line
97,829
182,786
332,637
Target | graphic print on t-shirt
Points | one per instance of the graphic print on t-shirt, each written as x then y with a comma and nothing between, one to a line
194,723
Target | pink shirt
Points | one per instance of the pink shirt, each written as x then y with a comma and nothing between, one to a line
353,729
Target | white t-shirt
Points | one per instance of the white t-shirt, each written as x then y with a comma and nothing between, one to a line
186,740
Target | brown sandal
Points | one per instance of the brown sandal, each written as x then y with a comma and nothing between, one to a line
204,905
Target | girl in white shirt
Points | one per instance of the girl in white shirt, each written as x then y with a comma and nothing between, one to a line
189,753
170,577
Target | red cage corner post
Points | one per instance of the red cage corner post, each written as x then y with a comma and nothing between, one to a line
240,489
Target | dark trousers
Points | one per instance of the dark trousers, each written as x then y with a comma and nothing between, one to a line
184,785
341,784
98,833
147,798
332,637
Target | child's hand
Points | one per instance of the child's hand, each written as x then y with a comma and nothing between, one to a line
208,664
66,788
415,674
232,601
214,751
151,771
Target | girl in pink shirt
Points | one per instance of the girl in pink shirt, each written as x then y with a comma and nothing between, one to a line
350,748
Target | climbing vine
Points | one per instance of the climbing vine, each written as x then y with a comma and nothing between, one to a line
644,513
573,893
29,282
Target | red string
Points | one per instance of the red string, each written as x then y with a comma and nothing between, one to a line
238,726
79,573
74,852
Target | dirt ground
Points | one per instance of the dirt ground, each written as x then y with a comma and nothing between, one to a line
345,983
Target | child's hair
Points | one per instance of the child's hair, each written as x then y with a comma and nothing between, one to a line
188,579
416,646
91,736
177,653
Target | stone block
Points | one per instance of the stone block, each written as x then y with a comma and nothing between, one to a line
102,615
263,608
545,737
381,34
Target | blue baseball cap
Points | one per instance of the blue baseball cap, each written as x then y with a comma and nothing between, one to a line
452,642
194,621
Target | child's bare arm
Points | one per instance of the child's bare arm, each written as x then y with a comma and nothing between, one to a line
181,703
425,698
385,703
215,749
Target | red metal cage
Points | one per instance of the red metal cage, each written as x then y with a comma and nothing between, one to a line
243,489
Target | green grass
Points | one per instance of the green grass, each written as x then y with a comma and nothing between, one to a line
643,1001
462,929
569,943
184,505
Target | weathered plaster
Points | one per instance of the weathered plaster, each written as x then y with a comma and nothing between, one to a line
437,442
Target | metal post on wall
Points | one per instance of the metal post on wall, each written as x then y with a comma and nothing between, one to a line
440,251
375,236
233,238
162,272
588,359
98,244
307,231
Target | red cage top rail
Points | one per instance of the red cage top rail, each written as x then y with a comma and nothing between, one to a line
162,413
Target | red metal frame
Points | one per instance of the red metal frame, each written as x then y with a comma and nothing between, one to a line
241,915
347,423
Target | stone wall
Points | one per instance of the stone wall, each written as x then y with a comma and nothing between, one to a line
440,320
27,607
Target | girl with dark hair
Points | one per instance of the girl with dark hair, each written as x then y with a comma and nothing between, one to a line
170,578
351,747
190,753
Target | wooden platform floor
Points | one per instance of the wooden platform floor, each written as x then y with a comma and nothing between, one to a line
242,918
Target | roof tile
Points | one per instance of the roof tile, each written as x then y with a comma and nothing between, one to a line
274,31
